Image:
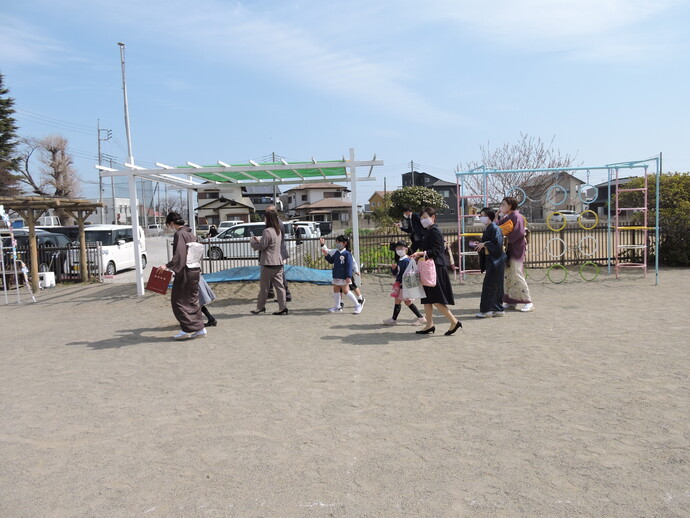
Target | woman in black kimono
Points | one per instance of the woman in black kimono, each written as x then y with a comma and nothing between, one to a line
492,260
185,292
441,295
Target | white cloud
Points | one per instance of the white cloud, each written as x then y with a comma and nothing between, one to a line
25,44
588,29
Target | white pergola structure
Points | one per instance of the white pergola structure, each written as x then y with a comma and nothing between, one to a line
192,176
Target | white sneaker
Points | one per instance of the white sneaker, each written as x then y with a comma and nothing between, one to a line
335,309
358,309
488,314
499,313
527,307
390,322
182,336
199,334
419,321
509,306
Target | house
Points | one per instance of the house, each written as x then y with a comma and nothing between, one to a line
318,202
377,201
600,203
446,189
262,196
218,203
547,193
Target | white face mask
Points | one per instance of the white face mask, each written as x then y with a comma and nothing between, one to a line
426,222
401,253
339,246
406,215
484,220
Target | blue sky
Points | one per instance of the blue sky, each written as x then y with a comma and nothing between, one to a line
427,82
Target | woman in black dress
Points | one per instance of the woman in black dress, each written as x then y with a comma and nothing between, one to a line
441,295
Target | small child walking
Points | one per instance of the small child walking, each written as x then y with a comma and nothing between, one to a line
355,271
343,268
398,269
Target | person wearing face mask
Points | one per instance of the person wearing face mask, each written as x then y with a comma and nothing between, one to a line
492,261
343,270
412,225
441,295
398,269
512,224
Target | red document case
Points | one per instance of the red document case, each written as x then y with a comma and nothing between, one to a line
159,280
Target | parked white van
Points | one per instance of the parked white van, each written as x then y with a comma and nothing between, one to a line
117,243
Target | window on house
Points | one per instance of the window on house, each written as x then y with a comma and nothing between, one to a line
304,197
426,180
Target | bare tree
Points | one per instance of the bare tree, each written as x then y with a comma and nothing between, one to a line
28,147
527,153
58,166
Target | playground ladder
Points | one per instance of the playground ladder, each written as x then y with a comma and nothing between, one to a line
620,246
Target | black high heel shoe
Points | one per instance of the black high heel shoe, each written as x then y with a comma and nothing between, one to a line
212,323
281,312
257,311
431,330
451,331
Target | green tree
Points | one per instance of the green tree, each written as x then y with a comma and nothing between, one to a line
9,162
415,198
674,214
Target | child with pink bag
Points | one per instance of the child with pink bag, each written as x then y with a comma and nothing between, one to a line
398,269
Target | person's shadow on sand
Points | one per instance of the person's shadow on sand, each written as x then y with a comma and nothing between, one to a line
381,336
131,337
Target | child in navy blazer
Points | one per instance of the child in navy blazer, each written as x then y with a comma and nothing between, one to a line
342,262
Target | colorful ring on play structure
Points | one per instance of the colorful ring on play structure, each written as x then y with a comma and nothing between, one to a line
596,271
548,195
596,219
548,222
560,267
548,251
582,188
580,245
510,192
531,276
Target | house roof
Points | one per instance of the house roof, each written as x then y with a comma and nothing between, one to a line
221,203
543,179
443,183
381,194
322,185
258,189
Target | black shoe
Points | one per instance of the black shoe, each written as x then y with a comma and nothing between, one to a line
212,323
431,330
451,331
271,296
281,312
288,298
257,311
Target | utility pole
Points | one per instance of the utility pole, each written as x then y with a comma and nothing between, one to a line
108,136
412,172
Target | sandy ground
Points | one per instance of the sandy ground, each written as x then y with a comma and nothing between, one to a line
580,408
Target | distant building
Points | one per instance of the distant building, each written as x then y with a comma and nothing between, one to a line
224,202
446,189
318,202
262,196
377,200
547,193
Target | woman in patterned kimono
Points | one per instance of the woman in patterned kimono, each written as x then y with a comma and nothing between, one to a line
513,227
185,292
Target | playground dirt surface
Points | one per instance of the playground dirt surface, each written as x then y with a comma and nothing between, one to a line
579,408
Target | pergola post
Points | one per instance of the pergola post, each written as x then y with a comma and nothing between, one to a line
134,204
31,217
355,215
190,210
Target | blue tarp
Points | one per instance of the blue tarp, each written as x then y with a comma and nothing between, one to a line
252,273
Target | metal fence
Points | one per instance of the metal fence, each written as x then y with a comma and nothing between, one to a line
62,261
571,246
